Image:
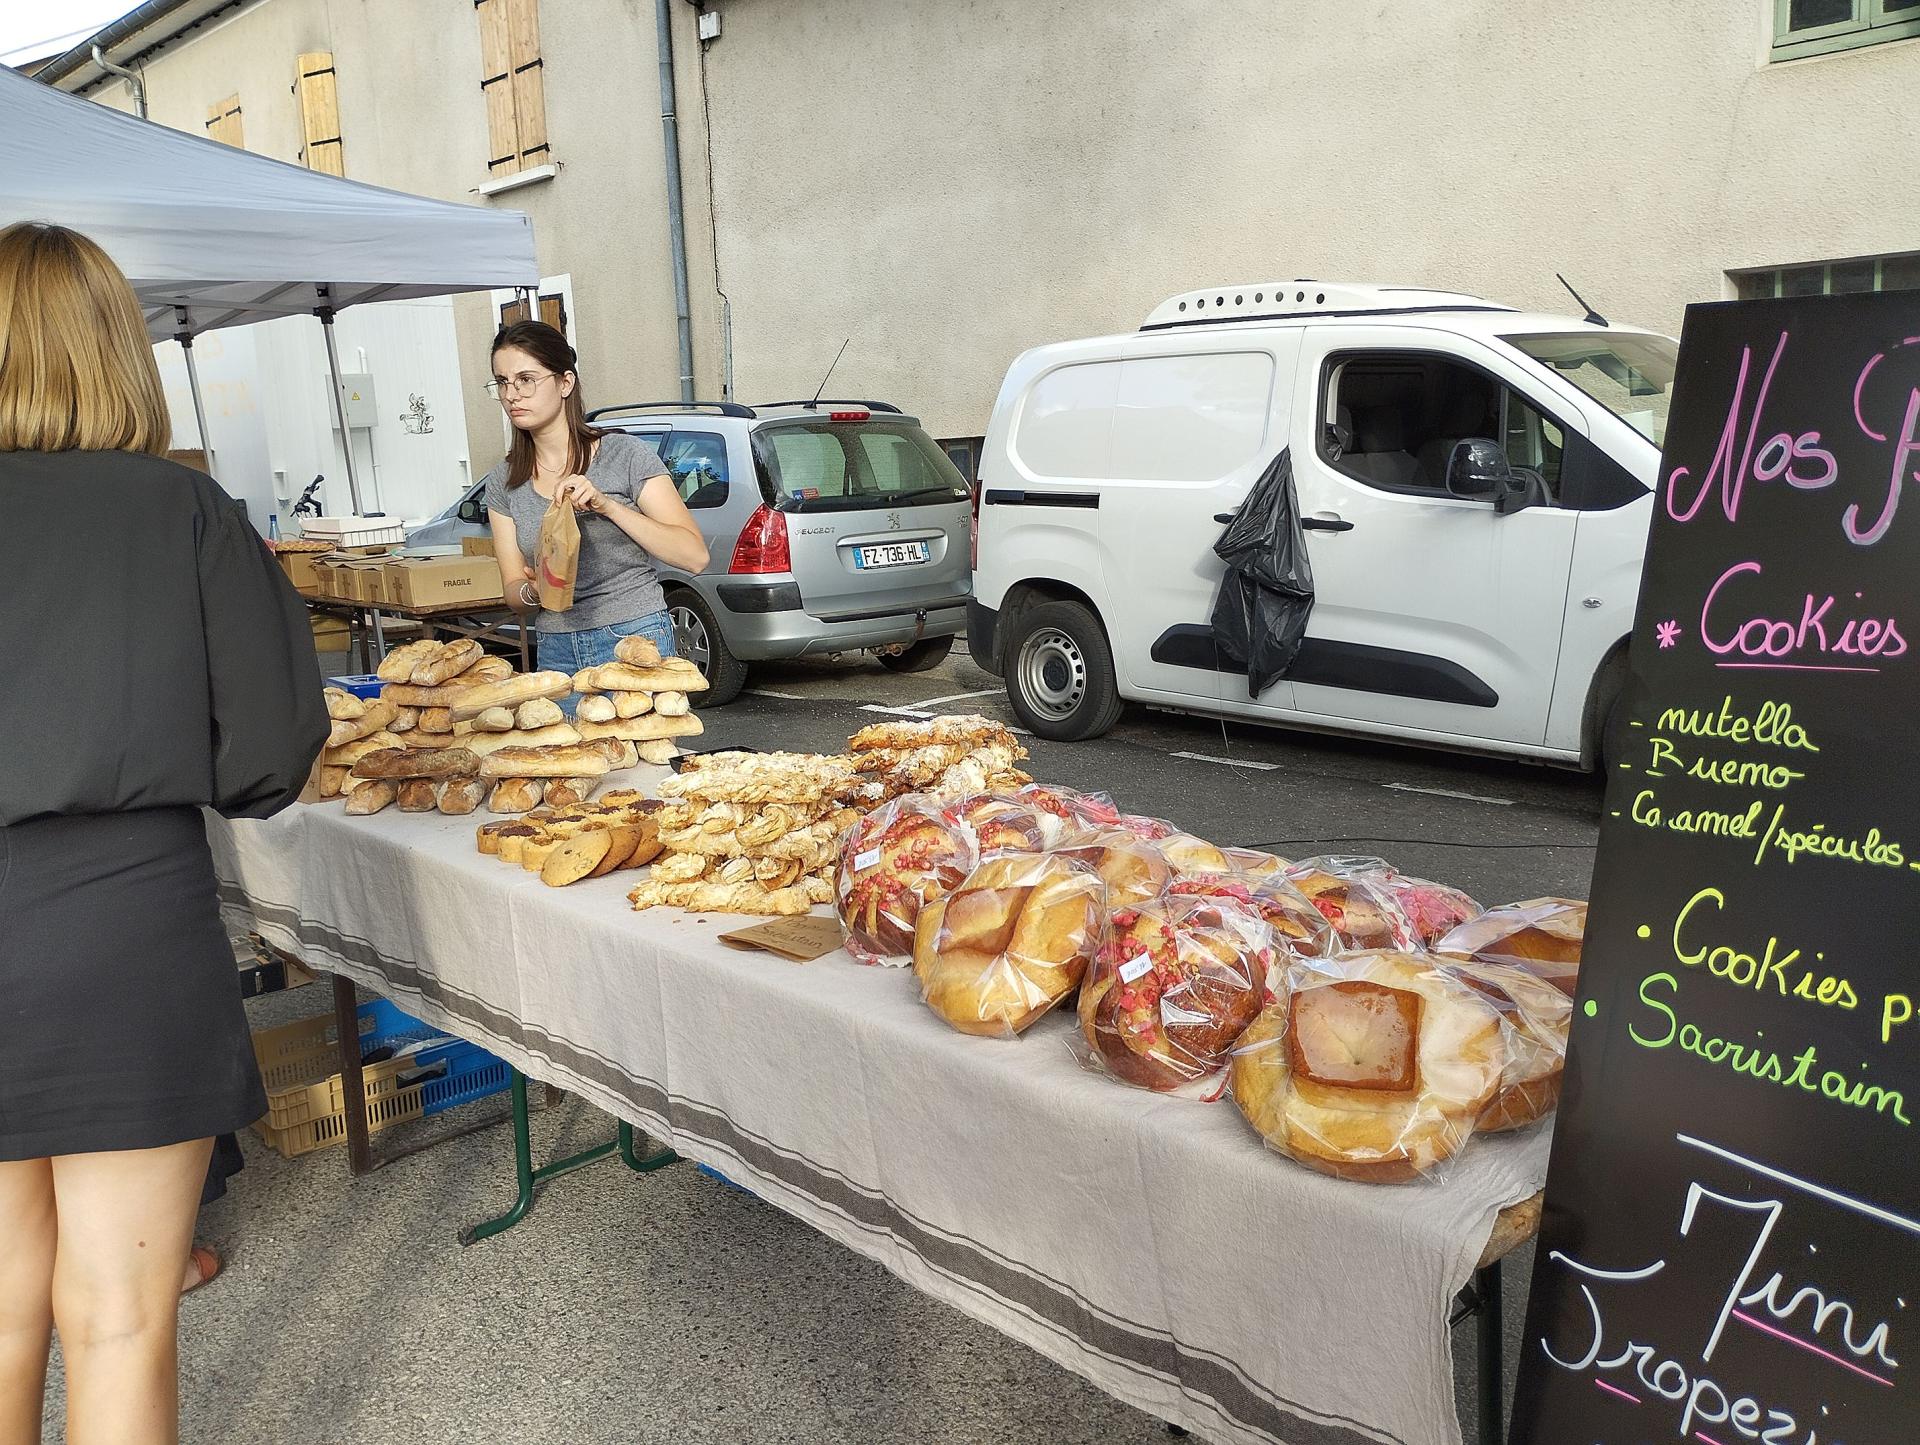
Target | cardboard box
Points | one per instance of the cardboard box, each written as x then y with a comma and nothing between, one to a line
362,579
300,571
476,546
327,575
436,581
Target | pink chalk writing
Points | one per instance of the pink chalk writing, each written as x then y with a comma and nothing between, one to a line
1747,1319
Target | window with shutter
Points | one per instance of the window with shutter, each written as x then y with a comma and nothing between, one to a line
223,121
320,114
513,83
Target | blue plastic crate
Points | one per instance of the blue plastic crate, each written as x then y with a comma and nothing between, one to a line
461,1072
715,1174
360,684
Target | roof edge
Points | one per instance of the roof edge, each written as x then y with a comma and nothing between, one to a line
144,17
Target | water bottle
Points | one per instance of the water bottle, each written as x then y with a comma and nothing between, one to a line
273,526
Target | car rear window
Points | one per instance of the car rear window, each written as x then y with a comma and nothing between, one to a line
841,467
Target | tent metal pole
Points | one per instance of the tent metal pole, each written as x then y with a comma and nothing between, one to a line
325,313
185,338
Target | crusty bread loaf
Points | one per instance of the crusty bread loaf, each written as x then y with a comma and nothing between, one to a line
671,704
645,729
409,694
342,704
449,662
629,755
351,753
420,738
377,714
436,720
631,704
460,796
598,708
511,693
565,760
418,795
482,744
398,664
493,720
488,669
538,712
437,764
405,720
332,780
657,753
565,792
513,795
637,652
371,797
674,674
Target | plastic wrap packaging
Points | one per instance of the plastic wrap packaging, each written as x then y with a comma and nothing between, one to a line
1542,936
1299,929
1079,813
1141,826
1536,1016
1372,1066
1012,941
1194,857
1001,823
1176,982
1363,912
1134,870
1433,909
1254,864
892,863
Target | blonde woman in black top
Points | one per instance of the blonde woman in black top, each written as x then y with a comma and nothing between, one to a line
153,661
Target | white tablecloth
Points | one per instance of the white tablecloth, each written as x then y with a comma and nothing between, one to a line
1152,1245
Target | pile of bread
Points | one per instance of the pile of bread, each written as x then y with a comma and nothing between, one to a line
750,833
619,830
640,698
945,757
1367,1023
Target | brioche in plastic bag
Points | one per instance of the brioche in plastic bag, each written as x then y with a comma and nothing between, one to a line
1363,912
1536,1017
892,863
1543,936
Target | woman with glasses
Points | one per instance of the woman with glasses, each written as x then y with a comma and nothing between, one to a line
631,515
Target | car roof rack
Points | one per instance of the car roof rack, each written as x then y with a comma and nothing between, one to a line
725,408
817,402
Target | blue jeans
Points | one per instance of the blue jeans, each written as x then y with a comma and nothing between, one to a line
570,651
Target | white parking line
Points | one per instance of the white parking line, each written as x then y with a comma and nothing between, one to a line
1449,793
958,696
769,692
916,712
1227,762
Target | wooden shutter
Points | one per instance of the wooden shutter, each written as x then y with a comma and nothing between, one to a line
553,311
320,114
223,121
513,83
513,311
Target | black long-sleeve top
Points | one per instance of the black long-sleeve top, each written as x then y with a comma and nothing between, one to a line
151,652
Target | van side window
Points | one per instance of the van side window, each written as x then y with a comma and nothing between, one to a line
697,462
1396,418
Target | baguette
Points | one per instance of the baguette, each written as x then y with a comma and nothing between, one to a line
576,858
408,694
449,662
342,704
675,674
598,708
332,780
569,792
436,720
418,795
645,729
657,753
632,704
482,744
460,796
437,764
513,795
419,738
349,754
637,652
405,720
511,693
671,704
537,713
398,665
613,750
370,798
566,760
487,669
629,755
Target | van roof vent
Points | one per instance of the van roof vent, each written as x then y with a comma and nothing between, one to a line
1269,300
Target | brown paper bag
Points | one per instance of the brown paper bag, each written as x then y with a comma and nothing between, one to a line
559,556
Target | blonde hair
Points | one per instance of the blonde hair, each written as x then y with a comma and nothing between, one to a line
76,366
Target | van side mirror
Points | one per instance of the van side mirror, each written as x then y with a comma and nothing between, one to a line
1478,467
472,510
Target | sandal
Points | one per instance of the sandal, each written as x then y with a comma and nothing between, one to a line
207,1263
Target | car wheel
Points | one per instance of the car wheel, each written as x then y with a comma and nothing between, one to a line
923,656
1060,673
697,637
1614,740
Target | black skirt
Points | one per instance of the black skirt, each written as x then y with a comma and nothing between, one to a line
121,1025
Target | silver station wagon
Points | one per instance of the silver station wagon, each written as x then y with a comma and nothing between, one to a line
834,526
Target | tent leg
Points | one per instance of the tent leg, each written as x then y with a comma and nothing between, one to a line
185,338
325,313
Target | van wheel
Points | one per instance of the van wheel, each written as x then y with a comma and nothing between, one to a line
1060,673
1612,744
697,637
923,656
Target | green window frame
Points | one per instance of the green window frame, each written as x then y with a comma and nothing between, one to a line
1873,22
1830,278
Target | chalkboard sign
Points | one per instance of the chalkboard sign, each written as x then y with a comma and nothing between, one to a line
1731,1244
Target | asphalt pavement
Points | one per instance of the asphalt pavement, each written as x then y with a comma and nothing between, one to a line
671,1307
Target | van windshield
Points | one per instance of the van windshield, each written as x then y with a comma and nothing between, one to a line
819,466
1630,374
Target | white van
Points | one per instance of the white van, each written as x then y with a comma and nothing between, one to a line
1474,597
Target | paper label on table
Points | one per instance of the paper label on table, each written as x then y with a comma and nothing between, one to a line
869,859
1136,969
800,939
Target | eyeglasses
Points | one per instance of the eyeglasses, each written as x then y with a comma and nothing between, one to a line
504,388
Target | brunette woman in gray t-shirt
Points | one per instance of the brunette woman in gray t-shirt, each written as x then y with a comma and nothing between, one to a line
630,512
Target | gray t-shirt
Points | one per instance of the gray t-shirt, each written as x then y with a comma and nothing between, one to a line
616,581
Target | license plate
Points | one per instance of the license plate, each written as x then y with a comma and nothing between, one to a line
890,554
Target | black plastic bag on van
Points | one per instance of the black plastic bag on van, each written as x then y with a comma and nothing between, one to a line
1266,596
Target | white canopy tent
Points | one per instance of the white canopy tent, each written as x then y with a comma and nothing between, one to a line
211,236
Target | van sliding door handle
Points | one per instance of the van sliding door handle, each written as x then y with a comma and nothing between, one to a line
1224,517
1326,524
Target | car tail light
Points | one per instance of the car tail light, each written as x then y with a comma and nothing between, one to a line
974,556
849,416
763,543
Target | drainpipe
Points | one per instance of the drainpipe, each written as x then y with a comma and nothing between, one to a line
132,78
676,213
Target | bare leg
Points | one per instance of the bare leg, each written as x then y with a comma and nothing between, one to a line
125,1224
26,1296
